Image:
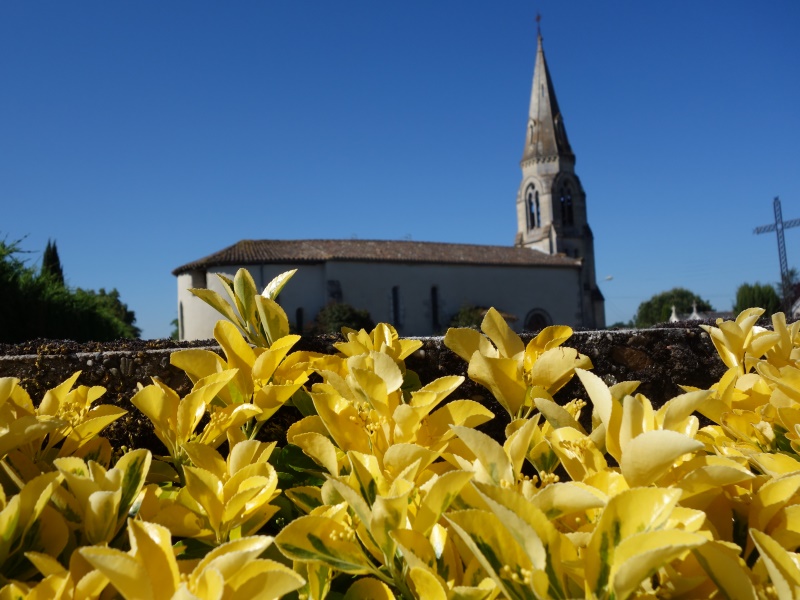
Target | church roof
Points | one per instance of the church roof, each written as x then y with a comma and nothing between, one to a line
547,137
251,252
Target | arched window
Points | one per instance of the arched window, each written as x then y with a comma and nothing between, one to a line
567,213
537,319
534,212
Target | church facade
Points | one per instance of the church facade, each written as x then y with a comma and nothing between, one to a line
547,276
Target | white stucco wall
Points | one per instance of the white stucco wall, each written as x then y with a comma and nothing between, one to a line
368,285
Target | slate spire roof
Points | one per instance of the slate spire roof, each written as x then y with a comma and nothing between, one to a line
250,252
546,138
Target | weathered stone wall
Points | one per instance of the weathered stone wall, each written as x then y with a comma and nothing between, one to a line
662,359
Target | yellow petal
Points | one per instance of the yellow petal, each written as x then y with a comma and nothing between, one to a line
440,388
264,579
369,588
639,556
679,408
502,377
651,454
318,538
556,415
206,489
491,455
273,318
519,442
578,454
97,419
266,363
388,514
465,342
496,329
495,548
197,363
320,449
555,367
628,513
126,574
562,499
426,585
207,458
781,565
160,407
726,568
771,498
153,548
100,518
438,498
399,457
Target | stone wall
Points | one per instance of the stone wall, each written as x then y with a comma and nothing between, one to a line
662,359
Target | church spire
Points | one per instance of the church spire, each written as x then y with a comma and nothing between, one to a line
546,138
551,202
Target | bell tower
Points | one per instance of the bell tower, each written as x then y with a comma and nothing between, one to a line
551,203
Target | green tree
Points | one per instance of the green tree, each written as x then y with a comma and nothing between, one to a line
468,316
175,334
34,305
787,285
336,315
658,308
109,304
51,264
757,295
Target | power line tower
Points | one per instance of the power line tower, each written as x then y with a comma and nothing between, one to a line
778,226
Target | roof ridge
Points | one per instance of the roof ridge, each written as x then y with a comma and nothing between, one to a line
249,252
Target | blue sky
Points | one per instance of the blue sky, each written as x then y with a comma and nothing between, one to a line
144,135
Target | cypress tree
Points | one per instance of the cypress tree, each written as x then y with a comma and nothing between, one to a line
757,295
51,264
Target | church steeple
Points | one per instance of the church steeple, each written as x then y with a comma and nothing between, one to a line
547,137
551,203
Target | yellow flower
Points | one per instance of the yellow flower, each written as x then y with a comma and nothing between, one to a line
514,373
151,571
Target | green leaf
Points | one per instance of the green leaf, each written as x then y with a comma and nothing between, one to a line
651,454
316,538
273,319
245,289
490,454
722,563
497,551
275,286
216,302
134,465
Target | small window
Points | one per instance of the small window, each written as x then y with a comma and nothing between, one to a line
396,306
435,309
334,290
181,335
298,319
199,279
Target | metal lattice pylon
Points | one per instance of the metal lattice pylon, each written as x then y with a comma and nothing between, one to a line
778,226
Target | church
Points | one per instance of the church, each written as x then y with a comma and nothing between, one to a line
547,277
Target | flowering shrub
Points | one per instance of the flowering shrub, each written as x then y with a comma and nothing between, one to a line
386,489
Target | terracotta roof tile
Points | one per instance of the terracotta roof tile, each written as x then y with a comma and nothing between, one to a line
250,252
